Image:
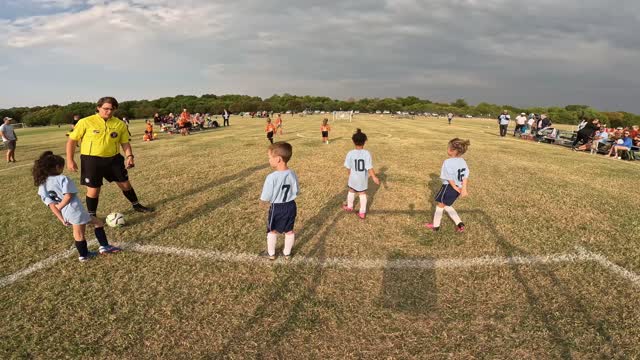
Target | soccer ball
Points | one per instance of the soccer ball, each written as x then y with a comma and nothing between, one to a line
620,142
115,220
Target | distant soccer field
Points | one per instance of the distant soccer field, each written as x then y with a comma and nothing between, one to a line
547,268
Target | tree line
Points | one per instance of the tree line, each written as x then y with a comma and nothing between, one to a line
215,104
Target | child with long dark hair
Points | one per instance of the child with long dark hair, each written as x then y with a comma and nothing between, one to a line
360,166
59,193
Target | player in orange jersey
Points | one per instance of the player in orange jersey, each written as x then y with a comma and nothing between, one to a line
325,128
270,130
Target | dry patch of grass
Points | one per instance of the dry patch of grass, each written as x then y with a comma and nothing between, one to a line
525,199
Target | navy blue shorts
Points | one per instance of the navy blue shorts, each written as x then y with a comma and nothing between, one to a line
447,195
282,217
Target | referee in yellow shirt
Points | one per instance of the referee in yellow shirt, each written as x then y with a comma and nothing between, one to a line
100,135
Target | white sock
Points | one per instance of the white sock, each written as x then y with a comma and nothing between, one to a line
363,203
453,214
289,240
437,216
351,197
271,243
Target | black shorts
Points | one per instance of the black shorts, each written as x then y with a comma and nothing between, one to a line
11,144
325,134
282,217
94,168
270,135
447,195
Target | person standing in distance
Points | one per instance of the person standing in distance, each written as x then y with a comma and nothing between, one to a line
450,117
225,116
503,121
9,138
100,135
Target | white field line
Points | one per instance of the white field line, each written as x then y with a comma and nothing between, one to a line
364,264
15,167
48,262
604,262
453,263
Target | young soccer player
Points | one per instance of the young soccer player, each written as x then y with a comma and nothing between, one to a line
280,189
454,175
270,130
148,132
325,128
60,194
360,167
279,124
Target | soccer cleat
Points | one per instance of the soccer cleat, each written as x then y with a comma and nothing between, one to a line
431,227
286,257
362,215
105,250
265,254
89,256
141,208
460,227
346,208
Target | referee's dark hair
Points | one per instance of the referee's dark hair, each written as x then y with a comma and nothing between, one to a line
108,100
282,149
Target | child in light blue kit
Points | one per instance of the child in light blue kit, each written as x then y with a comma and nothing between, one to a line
280,189
59,193
454,176
360,167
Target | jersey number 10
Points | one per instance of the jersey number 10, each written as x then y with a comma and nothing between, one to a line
359,164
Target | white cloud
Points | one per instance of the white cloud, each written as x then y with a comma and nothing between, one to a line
481,50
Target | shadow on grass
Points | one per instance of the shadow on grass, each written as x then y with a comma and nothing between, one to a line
546,314
409,290
291,292
208,186
201,211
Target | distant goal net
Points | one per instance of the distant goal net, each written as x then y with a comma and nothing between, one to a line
343,115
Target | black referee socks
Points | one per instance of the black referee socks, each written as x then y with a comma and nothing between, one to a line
131,196
92,205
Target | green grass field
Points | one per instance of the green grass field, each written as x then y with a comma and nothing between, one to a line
517,283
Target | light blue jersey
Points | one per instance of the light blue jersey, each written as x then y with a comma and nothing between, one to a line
605,137
280,187
454,169
504,119
359,162
52,192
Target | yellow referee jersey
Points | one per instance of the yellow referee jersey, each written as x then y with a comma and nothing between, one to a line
99,137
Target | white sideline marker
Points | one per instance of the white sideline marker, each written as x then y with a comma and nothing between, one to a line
15,167
582,255
50,261
604,262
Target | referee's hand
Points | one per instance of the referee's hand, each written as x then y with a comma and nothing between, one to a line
71,165
129,163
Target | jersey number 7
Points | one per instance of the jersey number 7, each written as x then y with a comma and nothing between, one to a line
285,188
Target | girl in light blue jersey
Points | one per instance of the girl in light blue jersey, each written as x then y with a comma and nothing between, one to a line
60,194
454,176
360,167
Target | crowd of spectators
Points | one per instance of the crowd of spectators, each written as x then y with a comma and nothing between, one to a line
590,135
185,123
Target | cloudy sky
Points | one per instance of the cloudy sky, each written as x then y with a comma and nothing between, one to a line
522,52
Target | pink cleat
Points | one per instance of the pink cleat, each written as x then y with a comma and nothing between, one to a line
431,227
460,228
362,215
346,208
